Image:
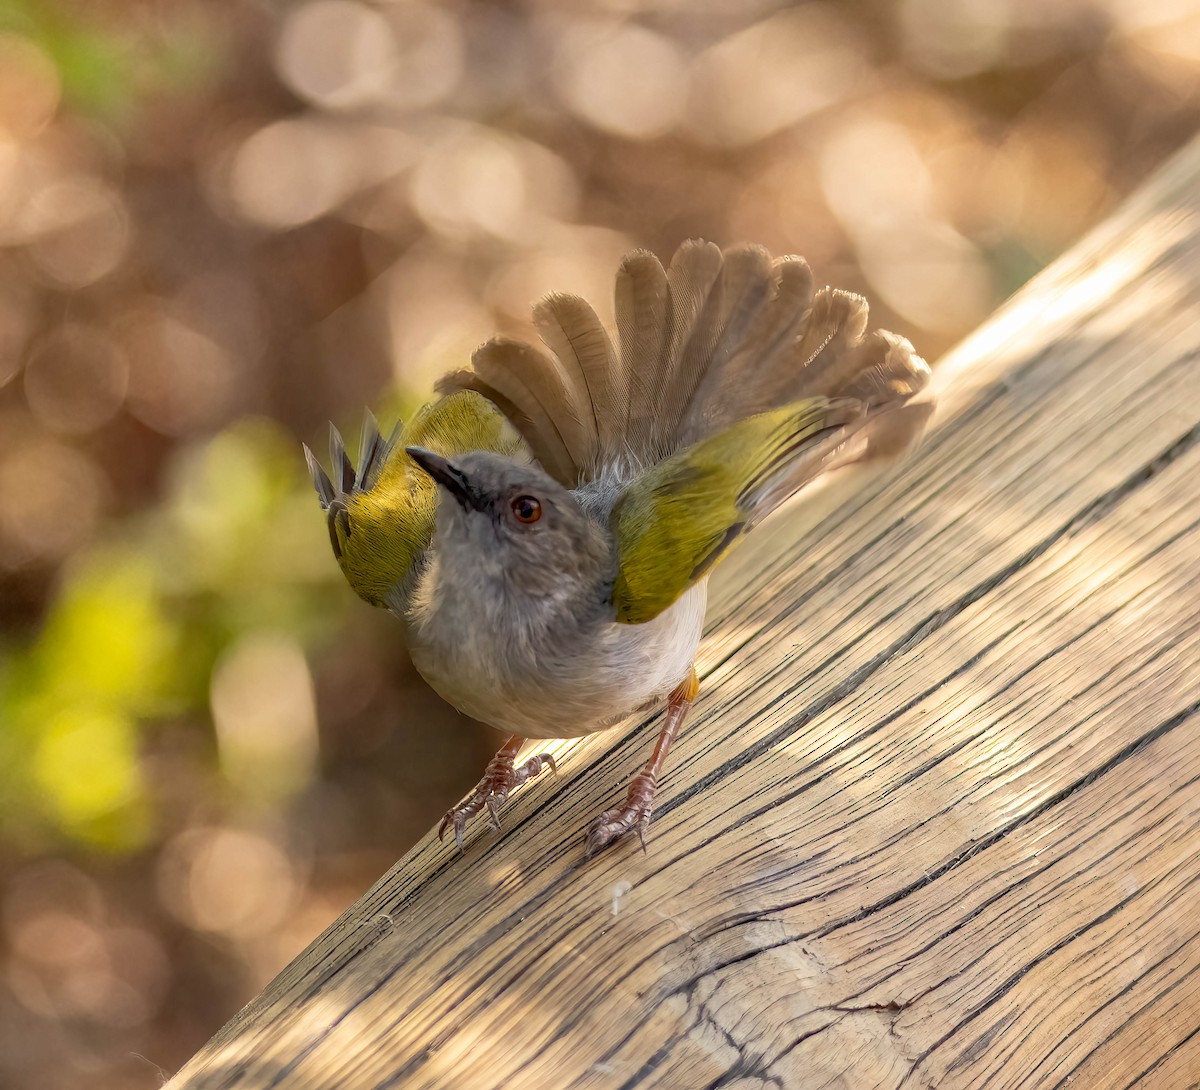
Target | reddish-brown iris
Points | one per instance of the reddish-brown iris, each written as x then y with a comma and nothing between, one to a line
526,509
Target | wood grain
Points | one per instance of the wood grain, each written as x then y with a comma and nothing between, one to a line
936,821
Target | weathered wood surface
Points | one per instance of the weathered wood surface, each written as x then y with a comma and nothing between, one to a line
936,822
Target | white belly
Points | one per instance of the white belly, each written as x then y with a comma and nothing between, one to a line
568,689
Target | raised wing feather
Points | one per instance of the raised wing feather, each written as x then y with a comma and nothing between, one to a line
676,520
381,515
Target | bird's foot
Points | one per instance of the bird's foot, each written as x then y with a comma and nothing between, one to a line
499,779
633,813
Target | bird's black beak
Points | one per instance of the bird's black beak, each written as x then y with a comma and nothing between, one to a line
449,476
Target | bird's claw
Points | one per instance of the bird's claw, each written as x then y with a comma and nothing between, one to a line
458,820
499,780
634,814
494,802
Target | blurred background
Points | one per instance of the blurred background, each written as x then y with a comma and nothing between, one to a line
225,222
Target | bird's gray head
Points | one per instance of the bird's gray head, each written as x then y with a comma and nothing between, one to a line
514,527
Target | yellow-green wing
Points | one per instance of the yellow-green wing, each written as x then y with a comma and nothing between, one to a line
675,521
381,515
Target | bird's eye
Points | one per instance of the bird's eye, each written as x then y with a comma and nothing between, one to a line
526,509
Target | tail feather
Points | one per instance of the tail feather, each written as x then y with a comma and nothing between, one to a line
594,374
784,313
712,339
529,388
882,368
746,287
790,307
734,308
836,324
693,278
669,338
642,301
742,379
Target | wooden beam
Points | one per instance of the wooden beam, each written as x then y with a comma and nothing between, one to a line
936,820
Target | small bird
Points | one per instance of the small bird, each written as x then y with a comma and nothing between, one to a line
546,530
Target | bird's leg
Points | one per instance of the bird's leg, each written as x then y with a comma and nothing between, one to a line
499,778
635,812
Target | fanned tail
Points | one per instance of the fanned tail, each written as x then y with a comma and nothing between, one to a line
711,340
